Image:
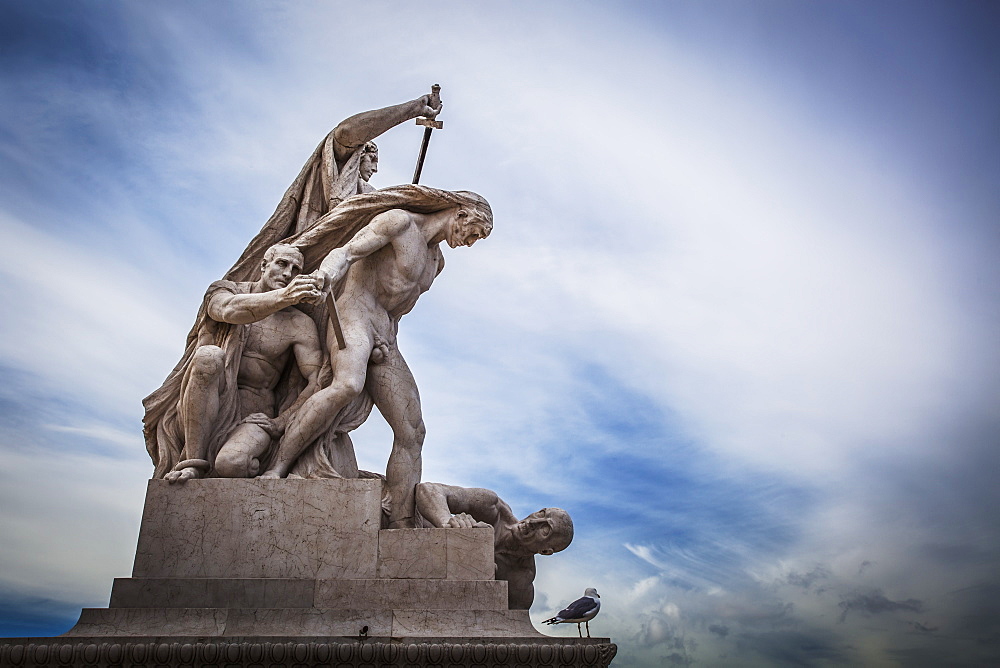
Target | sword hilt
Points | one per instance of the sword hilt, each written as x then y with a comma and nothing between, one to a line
430,125
434,102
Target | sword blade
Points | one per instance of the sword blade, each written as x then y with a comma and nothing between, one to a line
422,155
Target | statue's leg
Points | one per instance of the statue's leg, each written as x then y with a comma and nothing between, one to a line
199,407
394,392
319,411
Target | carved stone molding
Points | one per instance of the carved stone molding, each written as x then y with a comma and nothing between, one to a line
301,654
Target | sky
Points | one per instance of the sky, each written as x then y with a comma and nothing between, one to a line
738,313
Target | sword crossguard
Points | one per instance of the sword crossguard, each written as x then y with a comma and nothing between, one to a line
430,123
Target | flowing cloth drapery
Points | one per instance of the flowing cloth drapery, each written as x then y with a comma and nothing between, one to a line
319,187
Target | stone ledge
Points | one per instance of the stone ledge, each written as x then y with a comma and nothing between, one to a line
293,622
440,653
402,594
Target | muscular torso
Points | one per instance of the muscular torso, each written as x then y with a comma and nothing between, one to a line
266,351
388,282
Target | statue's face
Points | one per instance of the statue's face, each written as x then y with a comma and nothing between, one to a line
466,231
283,266
369,165
539,531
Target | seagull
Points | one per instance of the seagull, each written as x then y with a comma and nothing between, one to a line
580,611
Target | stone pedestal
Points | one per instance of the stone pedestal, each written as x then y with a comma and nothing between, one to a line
299,572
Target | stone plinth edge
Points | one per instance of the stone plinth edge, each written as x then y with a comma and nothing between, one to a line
558,652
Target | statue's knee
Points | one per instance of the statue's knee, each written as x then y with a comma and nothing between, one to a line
341,390
236,465
208,361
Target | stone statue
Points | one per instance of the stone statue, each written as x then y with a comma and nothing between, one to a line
381,271
377,251
516,543
218,411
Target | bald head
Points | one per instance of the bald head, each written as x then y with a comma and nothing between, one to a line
547,531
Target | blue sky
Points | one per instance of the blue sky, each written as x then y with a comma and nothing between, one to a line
738,314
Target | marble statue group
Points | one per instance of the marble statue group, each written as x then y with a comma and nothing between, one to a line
292,349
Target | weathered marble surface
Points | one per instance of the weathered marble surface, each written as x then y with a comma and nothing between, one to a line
214,592
439,590
436,554
312,561
239,528
298,593
412,594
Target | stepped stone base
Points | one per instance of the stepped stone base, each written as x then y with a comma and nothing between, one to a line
299,572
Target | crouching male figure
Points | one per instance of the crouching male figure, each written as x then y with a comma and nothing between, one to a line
515,543
227,409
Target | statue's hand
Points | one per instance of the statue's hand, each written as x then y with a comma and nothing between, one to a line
304,288
432,105
273,429
461,521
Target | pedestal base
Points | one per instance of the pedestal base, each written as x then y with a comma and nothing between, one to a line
299,573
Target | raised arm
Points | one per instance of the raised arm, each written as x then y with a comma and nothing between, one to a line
366,126
243,309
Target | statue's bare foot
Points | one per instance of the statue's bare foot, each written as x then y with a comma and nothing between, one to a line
182,475
188,469
271,474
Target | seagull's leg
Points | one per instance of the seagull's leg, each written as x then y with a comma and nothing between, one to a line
588,628
578,629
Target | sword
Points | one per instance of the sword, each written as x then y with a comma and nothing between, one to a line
429,125
331,310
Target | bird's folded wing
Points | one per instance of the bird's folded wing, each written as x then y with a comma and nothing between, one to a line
578,608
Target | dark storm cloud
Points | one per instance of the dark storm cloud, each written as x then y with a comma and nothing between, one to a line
922,628
719,630
807,580
875,603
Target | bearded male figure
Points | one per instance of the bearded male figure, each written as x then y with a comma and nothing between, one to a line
515,542
218,411
392,258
